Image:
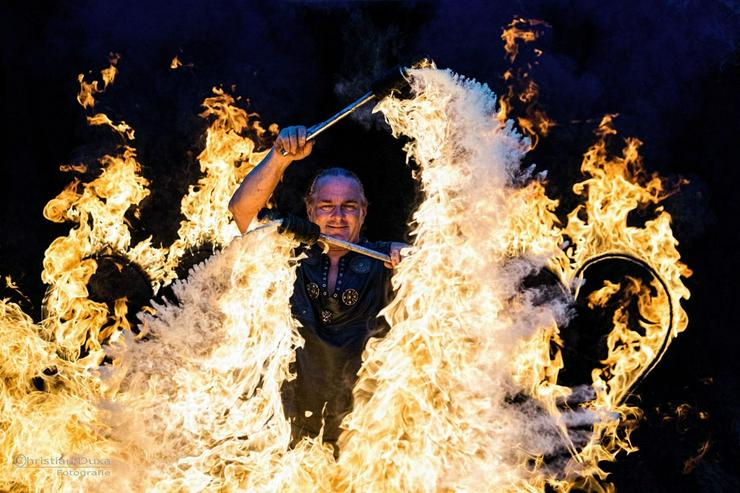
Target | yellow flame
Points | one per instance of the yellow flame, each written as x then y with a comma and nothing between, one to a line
10,283
615,186
86,96
193,402
123,129
520,86
519,29
228,156
99,208
78,168
73,322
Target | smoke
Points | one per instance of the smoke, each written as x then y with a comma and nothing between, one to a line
372,48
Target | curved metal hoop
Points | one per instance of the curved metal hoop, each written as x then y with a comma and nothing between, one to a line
671,310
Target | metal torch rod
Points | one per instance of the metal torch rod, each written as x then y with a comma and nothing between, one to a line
320,127
315,130
354,247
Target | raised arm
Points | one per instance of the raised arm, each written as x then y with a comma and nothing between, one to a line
257,187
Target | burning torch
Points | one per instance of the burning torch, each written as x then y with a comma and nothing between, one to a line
395,80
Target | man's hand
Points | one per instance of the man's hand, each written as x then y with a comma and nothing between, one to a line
258,185
291,144
395,254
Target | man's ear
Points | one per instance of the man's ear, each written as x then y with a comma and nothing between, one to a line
309,212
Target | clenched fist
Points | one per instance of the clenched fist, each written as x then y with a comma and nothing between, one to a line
291,143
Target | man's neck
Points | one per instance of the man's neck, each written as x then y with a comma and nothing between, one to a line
335,255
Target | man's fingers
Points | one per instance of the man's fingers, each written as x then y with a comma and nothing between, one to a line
397,252
292,141
395,259
293,137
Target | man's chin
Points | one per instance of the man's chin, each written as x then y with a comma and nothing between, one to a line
340,235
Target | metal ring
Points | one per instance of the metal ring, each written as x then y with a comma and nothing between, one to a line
671,311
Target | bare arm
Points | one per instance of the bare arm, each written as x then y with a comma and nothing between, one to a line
257,187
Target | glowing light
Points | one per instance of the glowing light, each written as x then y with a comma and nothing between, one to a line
193,400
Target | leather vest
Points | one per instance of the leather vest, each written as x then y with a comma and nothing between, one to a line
336,326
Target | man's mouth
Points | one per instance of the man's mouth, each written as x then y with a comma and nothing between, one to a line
340,232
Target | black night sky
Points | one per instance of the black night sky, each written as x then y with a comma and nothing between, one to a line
669,68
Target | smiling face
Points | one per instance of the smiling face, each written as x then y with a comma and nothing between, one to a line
338,206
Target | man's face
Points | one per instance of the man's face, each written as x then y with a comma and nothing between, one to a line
338,207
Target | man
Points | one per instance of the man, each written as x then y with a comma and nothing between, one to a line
336,296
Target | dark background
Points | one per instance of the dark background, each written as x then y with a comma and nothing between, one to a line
670,68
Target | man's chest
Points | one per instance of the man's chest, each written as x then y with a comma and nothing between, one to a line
339,282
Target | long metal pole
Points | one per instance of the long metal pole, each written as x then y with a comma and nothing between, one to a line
354,247
320,127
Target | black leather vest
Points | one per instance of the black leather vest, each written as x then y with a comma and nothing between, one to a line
336,326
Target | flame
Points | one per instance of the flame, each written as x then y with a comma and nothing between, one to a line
99,208
519,29
432,405
599,228
77,168
521,90
616,186
448,345
692,462
123,129
176,63
228,156
462,394
76,333
86,96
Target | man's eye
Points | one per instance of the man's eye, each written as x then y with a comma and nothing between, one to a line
350,207
326,207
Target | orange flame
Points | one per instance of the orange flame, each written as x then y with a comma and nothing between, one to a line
522,90
86,96
193,402
519,30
